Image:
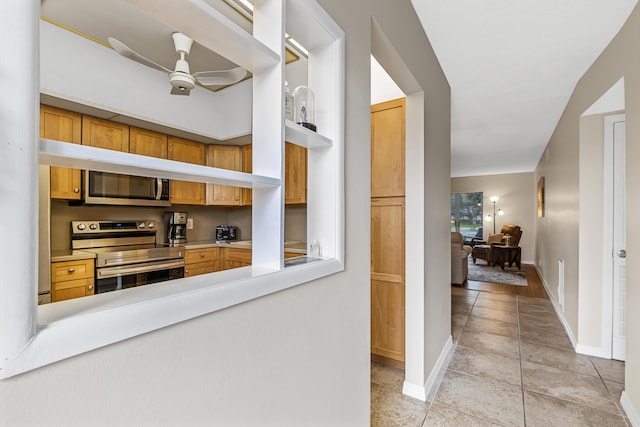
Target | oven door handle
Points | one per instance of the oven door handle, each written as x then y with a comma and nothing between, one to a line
105,273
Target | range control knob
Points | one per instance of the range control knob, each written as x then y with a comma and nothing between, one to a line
150,225
81,226
93,226
141,225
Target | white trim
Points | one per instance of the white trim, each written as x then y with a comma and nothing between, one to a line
629,409
32,336
590,350
432,383
558,310
73,327
56,153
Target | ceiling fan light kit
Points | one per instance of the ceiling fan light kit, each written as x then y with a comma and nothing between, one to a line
181,78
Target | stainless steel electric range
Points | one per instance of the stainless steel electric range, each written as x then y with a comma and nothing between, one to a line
127,253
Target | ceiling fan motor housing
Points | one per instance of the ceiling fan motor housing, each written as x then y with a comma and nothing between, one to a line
182,81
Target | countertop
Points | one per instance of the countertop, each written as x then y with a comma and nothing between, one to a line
70,255
289,246
75,255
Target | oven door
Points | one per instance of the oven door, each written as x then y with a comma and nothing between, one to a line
129,276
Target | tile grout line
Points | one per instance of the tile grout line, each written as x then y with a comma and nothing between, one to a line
524,410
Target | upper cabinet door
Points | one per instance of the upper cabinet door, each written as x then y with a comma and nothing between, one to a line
147,143
61,125
224,157
295,174
388,148
105,134
183,192
247,166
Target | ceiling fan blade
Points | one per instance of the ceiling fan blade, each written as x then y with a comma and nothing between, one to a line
219,78
129,53
178,91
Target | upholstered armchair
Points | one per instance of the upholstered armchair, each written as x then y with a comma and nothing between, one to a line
509,235
459,255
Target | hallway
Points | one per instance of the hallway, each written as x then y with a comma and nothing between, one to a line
512,365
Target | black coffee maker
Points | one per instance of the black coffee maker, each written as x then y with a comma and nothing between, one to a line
177,231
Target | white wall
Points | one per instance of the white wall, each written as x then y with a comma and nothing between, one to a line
558,232
517,200
298,357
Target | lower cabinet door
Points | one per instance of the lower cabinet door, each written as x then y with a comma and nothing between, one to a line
387,319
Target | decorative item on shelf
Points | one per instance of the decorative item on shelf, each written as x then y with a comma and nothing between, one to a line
500,212
305,109
288,103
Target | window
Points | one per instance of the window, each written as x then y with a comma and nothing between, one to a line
466,214
35,336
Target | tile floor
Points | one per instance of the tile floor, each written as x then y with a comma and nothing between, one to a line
512,365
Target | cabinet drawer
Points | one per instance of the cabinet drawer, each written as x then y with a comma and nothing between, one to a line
71,270
192,256
71,289
191,270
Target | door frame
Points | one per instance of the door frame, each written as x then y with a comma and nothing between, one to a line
608,232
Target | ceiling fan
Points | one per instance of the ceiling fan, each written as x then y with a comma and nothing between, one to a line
181,79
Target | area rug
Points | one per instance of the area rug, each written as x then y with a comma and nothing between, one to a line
484,273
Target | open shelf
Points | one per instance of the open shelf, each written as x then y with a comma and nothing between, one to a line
65,154
210,28
299,135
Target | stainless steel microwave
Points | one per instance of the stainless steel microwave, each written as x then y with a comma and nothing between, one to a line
104,188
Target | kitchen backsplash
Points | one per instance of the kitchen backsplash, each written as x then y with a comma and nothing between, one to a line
205,220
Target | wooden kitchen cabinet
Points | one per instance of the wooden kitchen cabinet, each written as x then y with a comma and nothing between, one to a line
105,134
388,279
247,166
388,149
65,126
148,143
224,157
184,192
72,279
235,258
201,261
295,174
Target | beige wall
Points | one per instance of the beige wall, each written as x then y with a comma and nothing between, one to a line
296,358
517,199
557,233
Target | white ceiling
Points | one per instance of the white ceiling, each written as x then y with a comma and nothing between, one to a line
512,66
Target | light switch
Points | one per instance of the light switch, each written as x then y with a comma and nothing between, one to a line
189,223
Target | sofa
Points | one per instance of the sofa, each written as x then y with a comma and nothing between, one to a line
459,258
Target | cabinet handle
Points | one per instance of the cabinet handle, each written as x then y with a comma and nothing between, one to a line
76,190
90,287
71,270
201,254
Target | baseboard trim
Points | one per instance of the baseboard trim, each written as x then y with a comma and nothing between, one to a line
430,386
558,310
629,410
590,350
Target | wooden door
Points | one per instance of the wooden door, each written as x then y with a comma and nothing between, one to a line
387,279
182,150
295,174
388,149
65,126
148,143
105,134
224,157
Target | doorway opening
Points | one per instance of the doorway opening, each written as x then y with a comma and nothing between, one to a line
602,272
